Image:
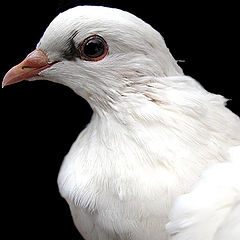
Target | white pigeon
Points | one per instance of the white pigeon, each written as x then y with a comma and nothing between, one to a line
153,130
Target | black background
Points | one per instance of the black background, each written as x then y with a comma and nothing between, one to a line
40,120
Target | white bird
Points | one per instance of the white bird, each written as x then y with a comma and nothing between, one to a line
153,130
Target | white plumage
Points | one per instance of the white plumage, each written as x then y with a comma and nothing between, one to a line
211,211
152,134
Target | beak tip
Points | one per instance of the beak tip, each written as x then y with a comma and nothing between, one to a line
4,83
6,80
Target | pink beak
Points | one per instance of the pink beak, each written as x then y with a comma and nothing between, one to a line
34,63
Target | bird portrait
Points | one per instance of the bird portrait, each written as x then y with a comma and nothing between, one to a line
160,156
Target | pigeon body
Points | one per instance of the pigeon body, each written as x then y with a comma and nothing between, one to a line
153,130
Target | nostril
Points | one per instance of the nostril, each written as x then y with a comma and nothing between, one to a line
23,67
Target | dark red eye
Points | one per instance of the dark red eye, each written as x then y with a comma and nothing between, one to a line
93,48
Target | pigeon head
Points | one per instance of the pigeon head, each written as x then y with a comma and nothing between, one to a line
101,53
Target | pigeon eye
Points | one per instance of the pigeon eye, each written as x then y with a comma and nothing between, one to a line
93,48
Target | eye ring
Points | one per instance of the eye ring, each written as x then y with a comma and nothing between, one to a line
93,48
